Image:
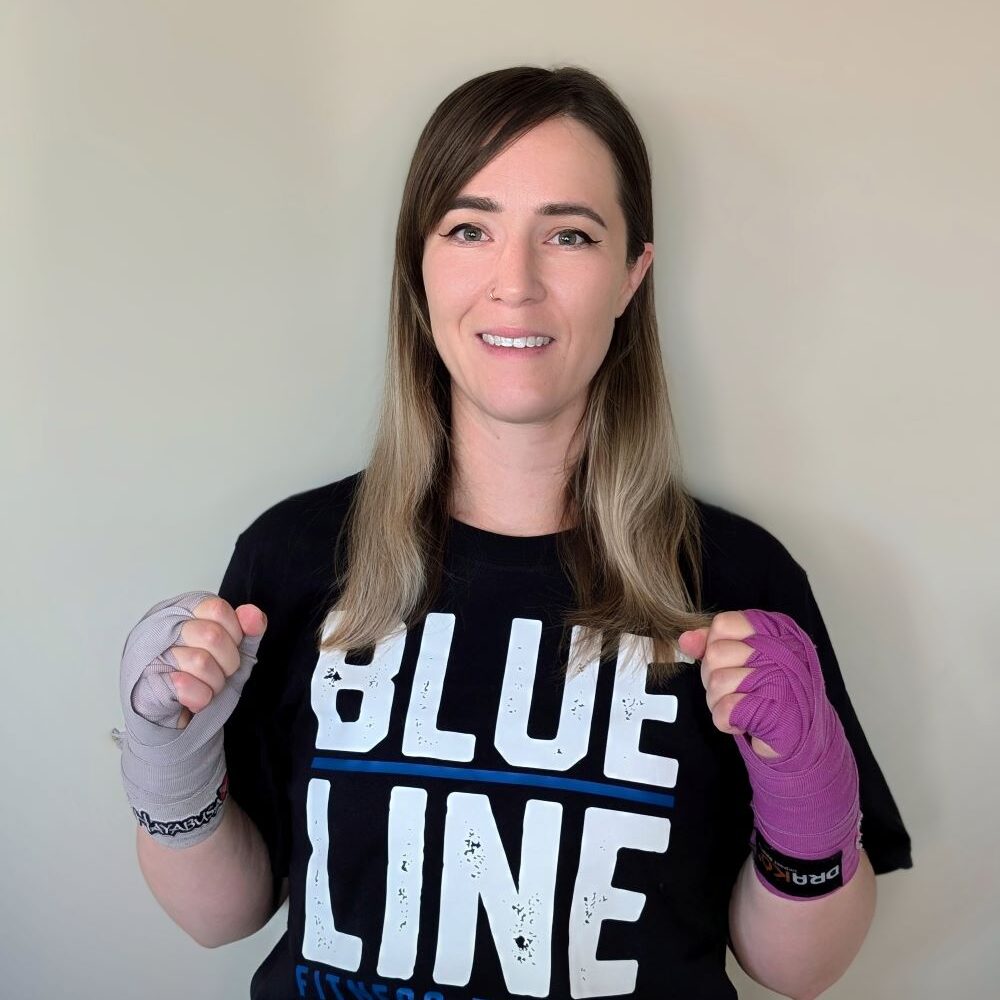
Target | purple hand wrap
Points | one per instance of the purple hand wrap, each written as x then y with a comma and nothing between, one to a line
805,801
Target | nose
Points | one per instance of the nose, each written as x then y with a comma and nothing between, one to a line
518,278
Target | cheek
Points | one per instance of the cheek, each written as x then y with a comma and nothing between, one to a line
449,289
592,301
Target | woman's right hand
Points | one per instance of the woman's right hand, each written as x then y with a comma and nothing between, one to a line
206,657
189,655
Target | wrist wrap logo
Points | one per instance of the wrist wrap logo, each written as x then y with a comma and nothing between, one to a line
803,877
172,827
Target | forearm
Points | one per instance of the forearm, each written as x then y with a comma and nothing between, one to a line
218,890
799,948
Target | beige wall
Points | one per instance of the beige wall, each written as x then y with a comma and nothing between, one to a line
197,208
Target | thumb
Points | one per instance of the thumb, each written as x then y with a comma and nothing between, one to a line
252,619
693,642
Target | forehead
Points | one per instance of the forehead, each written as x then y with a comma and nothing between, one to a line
558,160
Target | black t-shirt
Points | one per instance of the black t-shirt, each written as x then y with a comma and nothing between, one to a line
457,821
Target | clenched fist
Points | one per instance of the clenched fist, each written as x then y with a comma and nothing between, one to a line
723,657
184,678
182,673
763,678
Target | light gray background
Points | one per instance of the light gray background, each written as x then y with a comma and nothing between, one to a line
197,209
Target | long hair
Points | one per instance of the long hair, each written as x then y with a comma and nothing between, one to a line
634,525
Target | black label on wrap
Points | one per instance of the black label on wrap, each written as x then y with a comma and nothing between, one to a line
804,877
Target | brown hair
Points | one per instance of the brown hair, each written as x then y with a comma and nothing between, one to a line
633,521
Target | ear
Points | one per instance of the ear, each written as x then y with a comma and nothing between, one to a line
633,278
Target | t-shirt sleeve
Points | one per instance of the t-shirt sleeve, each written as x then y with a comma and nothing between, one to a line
883,835
256,756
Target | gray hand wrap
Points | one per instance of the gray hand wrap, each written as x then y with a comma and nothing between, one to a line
175,779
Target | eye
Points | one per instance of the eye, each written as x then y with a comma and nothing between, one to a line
465,225
585,240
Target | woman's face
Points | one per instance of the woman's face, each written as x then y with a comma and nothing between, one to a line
540,227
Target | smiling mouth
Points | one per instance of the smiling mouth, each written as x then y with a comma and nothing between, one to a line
518,343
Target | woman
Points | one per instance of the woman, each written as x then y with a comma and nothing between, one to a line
517,784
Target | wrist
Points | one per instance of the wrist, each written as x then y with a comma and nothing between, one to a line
177,804
806,839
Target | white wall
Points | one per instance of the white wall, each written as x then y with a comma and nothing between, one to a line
197,209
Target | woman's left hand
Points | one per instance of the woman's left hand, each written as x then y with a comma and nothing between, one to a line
723,667
804,779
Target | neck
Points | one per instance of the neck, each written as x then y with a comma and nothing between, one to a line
511,478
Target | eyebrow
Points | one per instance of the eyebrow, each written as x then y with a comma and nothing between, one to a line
550,208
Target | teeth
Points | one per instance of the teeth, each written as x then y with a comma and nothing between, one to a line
516,341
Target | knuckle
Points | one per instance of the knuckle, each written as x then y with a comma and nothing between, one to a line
720,717
203,633
706,675
715,685
201,660
193,632
231,662
729,703
180,690
201,697
730,620
190,659
211,607
735,652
